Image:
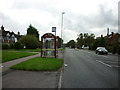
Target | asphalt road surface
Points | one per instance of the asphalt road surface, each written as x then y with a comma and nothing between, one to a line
85,69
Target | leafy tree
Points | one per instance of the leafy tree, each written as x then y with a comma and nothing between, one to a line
80,40
29,41
99,42
90,41
59,42
32,31
71,44
86,40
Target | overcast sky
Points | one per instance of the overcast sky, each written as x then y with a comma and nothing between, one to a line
81,16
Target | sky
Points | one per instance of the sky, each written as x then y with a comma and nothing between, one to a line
81,16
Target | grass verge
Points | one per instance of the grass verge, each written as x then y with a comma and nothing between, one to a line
39,64
33,50
9,55
29,50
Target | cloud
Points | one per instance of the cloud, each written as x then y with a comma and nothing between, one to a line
81,16
94,23
10,24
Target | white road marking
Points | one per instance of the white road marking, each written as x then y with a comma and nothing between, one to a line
65,65
60,80
104,63
112,61
1,66
115,66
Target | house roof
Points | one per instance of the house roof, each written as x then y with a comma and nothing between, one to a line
4,33
113,38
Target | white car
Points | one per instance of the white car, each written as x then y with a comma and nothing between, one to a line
101,50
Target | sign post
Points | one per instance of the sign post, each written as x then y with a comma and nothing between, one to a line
55,44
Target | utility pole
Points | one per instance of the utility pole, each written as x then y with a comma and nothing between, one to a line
62,27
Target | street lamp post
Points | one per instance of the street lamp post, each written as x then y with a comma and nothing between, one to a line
62,27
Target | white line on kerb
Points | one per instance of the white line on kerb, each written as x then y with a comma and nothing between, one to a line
60,80
104,63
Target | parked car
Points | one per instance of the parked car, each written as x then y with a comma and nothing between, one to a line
101,50
85,47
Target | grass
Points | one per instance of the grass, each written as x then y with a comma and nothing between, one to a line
30,50
34,50
0,55
61,49
9,55
39,64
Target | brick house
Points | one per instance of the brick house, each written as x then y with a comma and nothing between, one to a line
113,38
113,42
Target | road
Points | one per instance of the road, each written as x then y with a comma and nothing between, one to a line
85,69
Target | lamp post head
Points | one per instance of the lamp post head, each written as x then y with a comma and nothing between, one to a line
63,12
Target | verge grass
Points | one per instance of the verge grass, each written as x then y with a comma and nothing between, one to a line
39,64
9,55
33,50
27,50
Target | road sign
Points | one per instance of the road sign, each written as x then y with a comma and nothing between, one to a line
53,29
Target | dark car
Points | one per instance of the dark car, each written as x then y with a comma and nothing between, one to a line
101,50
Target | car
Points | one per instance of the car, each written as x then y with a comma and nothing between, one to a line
101,50
85,47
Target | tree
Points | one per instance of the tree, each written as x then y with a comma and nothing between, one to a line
80,41
90,40
99,42
18,45
29,41
86,40
71,44
32,31
60,41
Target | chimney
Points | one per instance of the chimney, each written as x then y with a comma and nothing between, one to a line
101,36
107,31
2,28
112,33
18,33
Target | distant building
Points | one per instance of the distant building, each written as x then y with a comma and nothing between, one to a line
113,38
8,37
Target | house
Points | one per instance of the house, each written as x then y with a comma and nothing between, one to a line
8,37
113,42
113,38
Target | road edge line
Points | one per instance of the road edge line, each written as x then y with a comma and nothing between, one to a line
60,80
104,63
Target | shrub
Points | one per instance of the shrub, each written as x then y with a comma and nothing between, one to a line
5,46
18,45
11,45
29,41
118,51
114,50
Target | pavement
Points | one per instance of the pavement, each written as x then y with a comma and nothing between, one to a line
29,79
85,69
6,65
